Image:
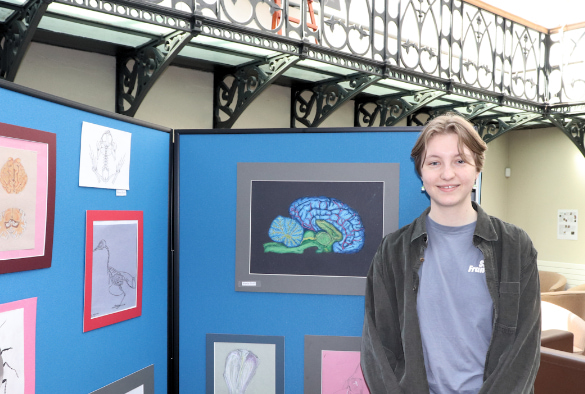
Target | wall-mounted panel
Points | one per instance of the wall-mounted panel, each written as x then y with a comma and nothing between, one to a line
68,360
208,194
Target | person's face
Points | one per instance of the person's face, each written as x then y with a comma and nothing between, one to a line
448,179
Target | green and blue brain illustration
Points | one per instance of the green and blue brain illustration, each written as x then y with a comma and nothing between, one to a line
322,222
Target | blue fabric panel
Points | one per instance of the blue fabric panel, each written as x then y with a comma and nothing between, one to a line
68,360
209,303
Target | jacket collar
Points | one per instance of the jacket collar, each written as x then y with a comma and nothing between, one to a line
483,227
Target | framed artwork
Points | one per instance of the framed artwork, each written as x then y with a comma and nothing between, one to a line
113,267
104,160
312,227
140,382
17,346
332,365
27,198
244,364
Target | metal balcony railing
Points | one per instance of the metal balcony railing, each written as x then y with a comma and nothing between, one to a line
445,39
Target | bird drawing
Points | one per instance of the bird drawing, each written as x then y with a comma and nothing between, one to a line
116,278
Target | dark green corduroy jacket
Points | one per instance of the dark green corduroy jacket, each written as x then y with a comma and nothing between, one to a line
392,354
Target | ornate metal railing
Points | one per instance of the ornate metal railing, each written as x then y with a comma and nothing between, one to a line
567,66
448,40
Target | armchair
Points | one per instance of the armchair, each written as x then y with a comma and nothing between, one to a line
551,281
573,301
560,372
555,317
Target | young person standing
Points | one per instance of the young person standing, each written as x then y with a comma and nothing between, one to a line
452,301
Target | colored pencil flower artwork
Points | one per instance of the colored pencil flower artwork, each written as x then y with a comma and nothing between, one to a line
240,367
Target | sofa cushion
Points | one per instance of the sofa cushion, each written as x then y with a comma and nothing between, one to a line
556,317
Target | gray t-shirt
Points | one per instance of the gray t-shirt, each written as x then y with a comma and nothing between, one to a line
454,309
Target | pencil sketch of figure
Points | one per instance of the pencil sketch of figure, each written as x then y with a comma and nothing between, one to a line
5,368
12,223
105,159
240,367
13,176
116,279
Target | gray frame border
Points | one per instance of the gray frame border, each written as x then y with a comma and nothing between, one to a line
389,173
143,377
314,345
211,339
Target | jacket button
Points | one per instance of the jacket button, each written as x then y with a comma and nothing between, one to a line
422,259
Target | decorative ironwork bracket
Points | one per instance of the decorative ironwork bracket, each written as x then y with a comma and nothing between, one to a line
491,128
392,109
16,34
236,88
325,98
572,127
472,110
137,72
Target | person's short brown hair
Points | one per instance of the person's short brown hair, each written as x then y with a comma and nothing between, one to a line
450,124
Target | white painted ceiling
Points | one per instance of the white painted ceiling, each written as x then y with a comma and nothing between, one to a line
546,13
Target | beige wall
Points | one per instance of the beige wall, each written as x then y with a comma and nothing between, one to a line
85,77
495,186
548,174
180,99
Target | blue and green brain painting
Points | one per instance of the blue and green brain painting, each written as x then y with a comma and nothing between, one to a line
322,222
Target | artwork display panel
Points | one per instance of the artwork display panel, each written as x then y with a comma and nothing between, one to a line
332,365
312,227
244,364
17,346
27,198
113,267
140,382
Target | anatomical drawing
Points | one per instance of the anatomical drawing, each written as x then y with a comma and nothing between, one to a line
240,368
4,366
104,159
104,163
322,222
12,223
19,201
12,354
13,176
117,280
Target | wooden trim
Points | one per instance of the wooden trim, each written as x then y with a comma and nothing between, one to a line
573,26
507,15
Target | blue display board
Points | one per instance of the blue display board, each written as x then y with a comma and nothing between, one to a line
68,360
209,303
